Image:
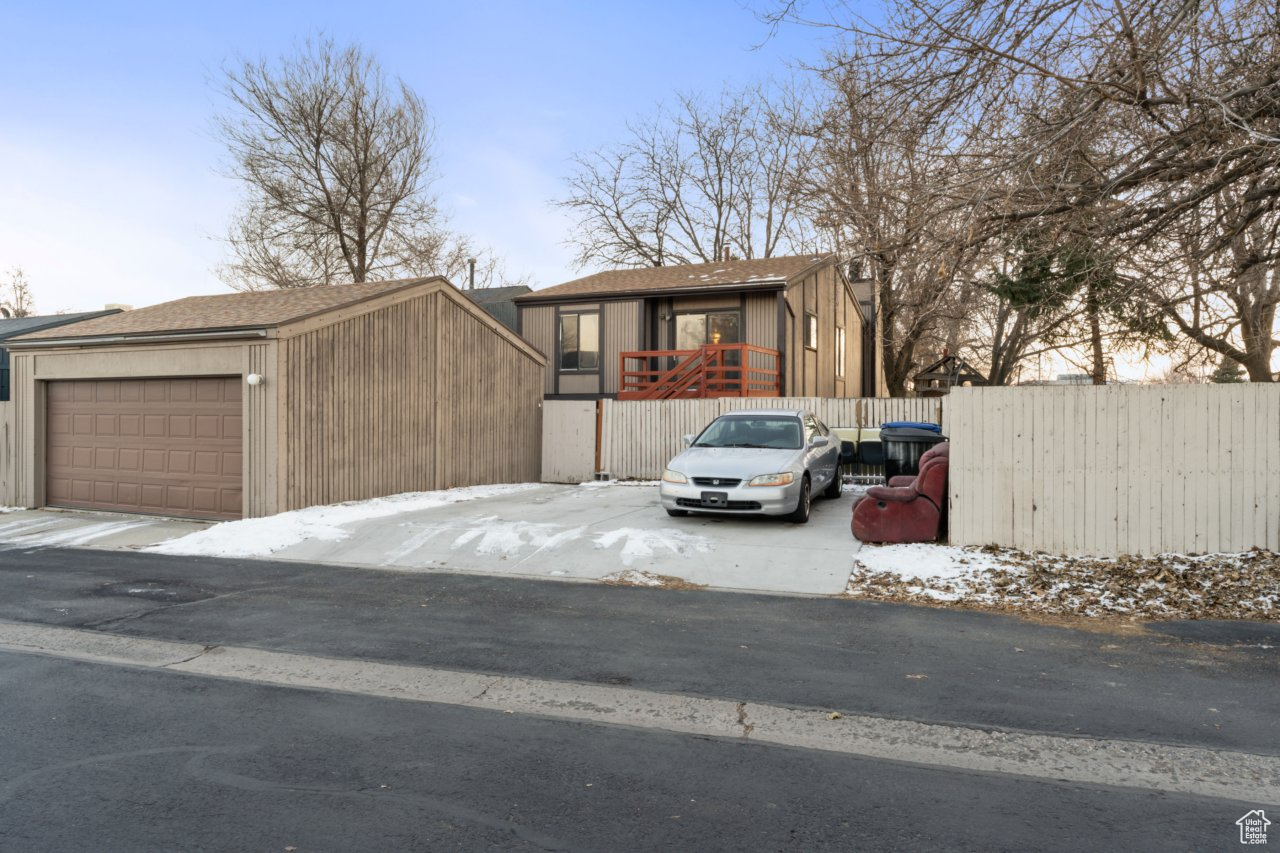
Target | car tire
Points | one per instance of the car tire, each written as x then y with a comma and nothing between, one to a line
800,515
835,487
677,513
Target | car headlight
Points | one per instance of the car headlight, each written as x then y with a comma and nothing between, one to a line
669,476
784,479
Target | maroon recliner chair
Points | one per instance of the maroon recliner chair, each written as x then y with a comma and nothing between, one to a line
909,509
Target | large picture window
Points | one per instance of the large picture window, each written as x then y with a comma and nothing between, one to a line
580,341
840,352
810,331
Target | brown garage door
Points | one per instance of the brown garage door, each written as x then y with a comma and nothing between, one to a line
154,446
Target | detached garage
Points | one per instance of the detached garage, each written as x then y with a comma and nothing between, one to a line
248,404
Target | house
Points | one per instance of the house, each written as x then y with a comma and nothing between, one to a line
248,404
950,371
768,327
499,302
12,327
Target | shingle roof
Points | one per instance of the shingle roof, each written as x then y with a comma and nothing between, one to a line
12,327
691,276
489,295
228,311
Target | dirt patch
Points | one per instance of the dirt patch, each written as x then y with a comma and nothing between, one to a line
1077,590
633,577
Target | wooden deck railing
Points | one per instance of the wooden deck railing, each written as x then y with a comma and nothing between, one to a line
714,370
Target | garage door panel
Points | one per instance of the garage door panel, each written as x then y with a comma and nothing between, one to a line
164,446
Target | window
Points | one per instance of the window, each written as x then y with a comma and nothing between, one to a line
4,375
810,331
580,341
696,329
839,351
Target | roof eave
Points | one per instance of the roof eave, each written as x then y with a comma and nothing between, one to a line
683,290
141,338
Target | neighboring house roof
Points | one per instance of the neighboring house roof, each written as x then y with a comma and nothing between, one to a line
228,311
720,275
490,295
499,302
11,328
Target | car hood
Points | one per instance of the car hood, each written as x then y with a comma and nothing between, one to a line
740,462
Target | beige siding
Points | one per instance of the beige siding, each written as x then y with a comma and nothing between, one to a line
620,330
417,395
1117,469
579,383
538,327
568,440
639,437
31,369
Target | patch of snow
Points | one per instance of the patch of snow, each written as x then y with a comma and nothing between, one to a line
927,561
79,535
640,542
602,484
508,537
261,537
4,509
633,577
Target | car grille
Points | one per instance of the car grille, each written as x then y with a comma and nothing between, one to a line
715,481
697,504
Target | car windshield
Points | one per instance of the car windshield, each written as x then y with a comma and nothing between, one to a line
782,433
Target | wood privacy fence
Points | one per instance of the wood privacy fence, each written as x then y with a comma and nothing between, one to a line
638,438
1116,469
8,491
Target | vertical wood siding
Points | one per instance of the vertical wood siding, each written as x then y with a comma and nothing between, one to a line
639,437
1115,469
762,320
538,327
418,395
620,332
569,440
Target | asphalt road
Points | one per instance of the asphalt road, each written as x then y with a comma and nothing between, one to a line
104,758
980,669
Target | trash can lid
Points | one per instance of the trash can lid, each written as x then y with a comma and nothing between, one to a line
913,434
912,425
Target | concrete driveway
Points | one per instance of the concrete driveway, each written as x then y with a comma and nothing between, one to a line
612,531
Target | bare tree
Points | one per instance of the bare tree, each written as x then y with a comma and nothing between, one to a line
337,163
1165,118
15,296
690,183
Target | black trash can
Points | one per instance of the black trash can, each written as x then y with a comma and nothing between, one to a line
903,447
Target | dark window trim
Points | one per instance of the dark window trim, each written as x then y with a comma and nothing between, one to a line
574,371
811,322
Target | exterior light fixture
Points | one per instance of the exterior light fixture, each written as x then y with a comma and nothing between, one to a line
254,379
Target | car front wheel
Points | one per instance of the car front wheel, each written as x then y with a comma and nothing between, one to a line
836,485
801,513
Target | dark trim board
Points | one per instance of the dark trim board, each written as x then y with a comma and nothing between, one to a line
610,396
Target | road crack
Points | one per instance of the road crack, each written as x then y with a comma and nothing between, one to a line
747,728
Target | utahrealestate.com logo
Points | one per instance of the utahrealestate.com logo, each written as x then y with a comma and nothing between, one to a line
1253,827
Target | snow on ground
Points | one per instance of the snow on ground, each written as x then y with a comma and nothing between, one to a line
46,532
644,542
260,537
1168,586
600,484
4,509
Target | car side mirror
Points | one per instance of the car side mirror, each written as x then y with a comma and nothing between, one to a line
817,441
688,440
